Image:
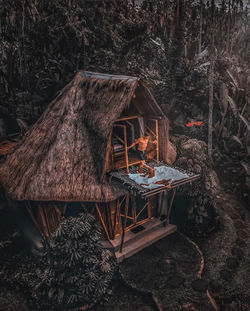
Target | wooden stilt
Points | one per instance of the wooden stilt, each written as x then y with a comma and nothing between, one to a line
134,209
108,220
64,210
126,148
28,208
115,216
124,222
157,141
102,221
170,206
59,213
145,206
118,214
43,220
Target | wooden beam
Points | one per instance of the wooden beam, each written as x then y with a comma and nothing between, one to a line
150,131
170,207
102,221
115,216
134,209
126,148
124,222
43,220
157,140
108,219
126,118
64,210
28,208
146,205
119,138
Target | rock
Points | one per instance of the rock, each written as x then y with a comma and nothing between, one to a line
236,251
215,285
242,234
197,168
238,224
200,285
232,263
234,215
226,275
182,160
212,182
241,243
175,281
188,306
192,144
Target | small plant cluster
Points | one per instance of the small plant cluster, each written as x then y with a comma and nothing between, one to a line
77,270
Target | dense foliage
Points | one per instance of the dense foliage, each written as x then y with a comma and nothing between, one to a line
77,270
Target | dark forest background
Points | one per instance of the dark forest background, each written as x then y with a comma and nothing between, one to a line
195,55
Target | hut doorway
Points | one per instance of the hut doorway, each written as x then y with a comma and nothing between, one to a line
128,135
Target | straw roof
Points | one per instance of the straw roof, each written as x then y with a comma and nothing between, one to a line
61,158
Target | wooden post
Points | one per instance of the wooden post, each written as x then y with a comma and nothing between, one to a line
170,207
117,206
43,221
28,208
118,213
126,147
124,222
157,140
134,208
108,219
102,221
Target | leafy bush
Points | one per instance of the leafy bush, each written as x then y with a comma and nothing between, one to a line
77,270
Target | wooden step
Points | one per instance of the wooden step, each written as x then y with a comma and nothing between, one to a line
134,246
130,236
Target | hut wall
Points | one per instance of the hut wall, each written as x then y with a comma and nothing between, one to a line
45,215
163,140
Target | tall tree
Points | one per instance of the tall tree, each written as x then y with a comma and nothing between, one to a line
211,87
201,20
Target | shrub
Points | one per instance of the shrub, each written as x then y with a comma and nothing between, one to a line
77,270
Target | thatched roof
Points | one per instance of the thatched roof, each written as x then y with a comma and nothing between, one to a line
61,158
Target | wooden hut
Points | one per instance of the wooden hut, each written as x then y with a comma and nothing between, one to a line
77,154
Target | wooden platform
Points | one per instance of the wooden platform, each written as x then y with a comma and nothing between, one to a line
134,242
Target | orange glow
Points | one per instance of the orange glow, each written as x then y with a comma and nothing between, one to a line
189,124
134,96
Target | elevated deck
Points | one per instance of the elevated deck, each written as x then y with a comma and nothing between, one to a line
122,177
150,232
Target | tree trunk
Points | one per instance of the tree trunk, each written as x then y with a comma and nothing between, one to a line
211,94
201,18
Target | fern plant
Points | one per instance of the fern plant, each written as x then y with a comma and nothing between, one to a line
77,269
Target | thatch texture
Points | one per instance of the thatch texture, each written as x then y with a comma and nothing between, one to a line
62,157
